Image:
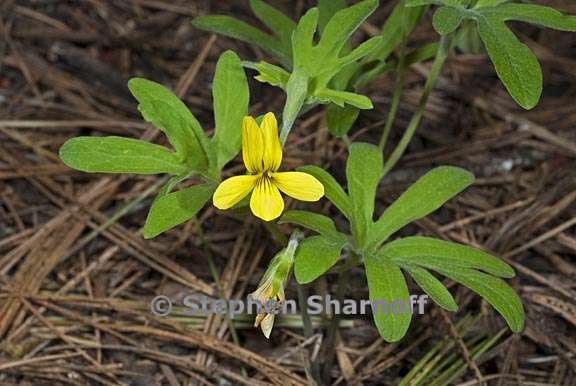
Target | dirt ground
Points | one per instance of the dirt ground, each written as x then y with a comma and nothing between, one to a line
77,278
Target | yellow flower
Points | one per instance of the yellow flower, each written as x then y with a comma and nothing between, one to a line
262,154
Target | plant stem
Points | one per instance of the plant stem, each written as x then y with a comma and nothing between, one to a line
398,86
314,368
441,55
343,278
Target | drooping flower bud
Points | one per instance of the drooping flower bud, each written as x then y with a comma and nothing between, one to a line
270,291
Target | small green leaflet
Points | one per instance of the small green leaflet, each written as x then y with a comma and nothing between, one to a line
271,74
432,286
119,155
426,195
315,256
340,98
363,172
231,96
494,290
175,208
386,283
515,64
433,253
296,91
447,19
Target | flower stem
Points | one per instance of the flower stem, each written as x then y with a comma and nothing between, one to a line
331,341
439,60
398,86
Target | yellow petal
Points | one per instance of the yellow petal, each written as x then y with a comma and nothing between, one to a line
266,325
252,145
232,190
272,147
301,186
266,201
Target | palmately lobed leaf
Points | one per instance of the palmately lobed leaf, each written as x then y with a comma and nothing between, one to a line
426,195
167,112
119,155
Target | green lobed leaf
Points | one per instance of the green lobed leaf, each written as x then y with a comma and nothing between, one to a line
341,26
433,253
488,3
514,62
236,29
387,283
119,155
167,112
494,290
361,51
315,256
340,119
432,286
426,195
535,14
363,172
175,208
327,9
314,221
231,97
296,93
332,189
447,19
303,39
271,74
342,98
420,3
276,21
